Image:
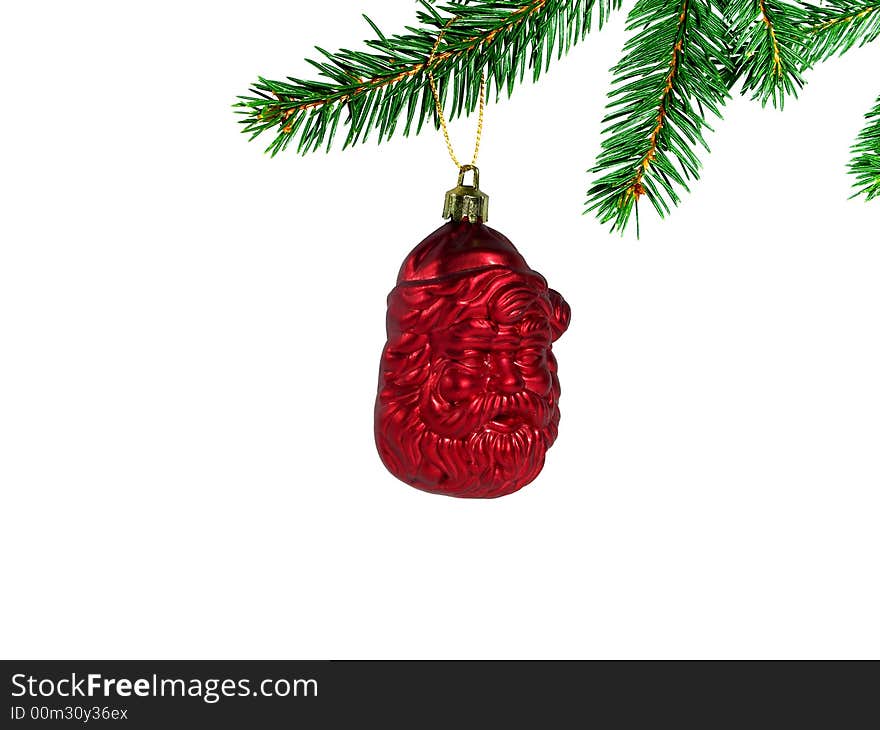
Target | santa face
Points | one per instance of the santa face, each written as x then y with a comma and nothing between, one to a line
486,375
468,401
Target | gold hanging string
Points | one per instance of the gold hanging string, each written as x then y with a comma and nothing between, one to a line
439,106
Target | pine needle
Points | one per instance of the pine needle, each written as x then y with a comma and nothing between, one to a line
865,164
839,25
770,43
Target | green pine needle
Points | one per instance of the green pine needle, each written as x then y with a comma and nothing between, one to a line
865,164
770,45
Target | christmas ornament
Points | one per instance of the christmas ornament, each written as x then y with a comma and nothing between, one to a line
468,394
468,399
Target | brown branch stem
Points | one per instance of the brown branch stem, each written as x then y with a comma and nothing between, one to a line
378,82
636,189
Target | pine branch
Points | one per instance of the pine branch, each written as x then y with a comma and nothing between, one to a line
838,25
681,61
672,73
865,164
372,90
771,44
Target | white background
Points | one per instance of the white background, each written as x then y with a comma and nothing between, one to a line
190,336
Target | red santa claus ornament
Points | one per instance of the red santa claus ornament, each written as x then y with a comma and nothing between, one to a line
468,400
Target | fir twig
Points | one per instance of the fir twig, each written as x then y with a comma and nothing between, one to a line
838,25
681,61
865,164
671,75
372,90
769,40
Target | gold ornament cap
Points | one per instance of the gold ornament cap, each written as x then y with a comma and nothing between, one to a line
467,201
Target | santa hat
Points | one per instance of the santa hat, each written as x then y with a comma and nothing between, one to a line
459,248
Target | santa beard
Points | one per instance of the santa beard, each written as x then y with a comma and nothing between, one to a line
501,455
460,420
